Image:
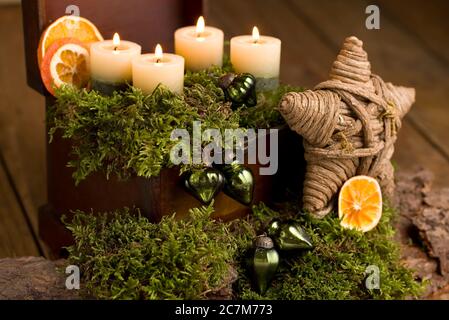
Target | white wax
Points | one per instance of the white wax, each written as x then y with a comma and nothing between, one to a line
148,73
113,66
200,51
262,58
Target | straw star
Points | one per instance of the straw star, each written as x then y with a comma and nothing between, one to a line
349,125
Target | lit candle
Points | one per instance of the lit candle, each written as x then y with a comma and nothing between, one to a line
201,46
150,70
258,55
111,64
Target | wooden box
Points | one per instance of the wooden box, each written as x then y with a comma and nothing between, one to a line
146,22
157,196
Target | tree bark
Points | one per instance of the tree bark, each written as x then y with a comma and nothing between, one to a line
33,278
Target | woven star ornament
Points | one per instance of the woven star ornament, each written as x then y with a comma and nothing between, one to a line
349,125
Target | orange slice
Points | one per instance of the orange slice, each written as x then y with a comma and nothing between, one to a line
66,62
68,27
360,203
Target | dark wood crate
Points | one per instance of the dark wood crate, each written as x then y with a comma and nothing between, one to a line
157,196
146,22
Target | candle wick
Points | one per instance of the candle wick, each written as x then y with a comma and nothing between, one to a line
158,60
115,48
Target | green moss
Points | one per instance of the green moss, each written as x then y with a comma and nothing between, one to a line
123,256
128,133
335,269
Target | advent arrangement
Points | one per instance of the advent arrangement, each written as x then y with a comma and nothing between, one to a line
119,108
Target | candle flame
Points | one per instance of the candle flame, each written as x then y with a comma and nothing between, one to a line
116,40
158,54
200,25
256,35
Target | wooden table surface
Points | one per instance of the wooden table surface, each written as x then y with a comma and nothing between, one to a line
411,48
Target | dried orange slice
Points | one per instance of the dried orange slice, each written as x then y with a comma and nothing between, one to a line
360,203
67,27
66,62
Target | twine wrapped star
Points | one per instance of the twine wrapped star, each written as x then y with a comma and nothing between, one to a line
349,125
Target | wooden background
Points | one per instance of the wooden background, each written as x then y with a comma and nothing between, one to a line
411,48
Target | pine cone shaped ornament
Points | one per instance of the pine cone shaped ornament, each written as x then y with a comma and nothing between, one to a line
349,125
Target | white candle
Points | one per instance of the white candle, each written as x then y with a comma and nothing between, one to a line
255,54
201,46
111,60
150,70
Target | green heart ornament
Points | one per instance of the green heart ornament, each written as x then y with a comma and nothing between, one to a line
204,184
239,183
289,235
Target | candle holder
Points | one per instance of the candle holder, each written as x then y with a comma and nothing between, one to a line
106,88
267,84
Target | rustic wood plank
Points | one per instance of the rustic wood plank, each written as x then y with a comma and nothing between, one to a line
26,189
394,54
425,20
15,234
22,119
413,151
34,278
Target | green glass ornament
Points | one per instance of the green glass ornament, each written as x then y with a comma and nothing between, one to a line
239,89
204,184
289,235
265,262
239,182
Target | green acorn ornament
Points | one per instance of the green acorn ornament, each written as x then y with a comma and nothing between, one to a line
289,235
239,89
239,182
204,184
265,262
